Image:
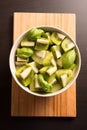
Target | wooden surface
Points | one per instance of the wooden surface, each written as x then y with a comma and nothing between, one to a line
24,104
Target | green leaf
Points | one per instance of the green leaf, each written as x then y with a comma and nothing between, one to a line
68,59
35,33
46,87
24,52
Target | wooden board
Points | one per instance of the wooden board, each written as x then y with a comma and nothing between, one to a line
24,104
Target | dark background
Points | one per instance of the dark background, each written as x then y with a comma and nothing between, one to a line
7,8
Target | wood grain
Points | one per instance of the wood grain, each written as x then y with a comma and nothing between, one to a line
24,104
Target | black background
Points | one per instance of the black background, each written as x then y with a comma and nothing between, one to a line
7,8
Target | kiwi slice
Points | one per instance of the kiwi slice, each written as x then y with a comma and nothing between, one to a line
67,44
67,72
55,39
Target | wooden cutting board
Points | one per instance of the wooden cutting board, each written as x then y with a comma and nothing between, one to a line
24,104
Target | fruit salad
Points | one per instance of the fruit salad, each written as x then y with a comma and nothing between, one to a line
45,61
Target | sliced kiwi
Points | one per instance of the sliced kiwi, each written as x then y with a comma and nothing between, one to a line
56,51
32,86
56,87
55,39
67,44
61,72
42,44
43,61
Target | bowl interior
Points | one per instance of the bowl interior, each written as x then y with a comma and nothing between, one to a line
13,69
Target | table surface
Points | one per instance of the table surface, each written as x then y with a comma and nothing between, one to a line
7,8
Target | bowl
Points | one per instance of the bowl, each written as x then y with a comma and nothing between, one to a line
13,67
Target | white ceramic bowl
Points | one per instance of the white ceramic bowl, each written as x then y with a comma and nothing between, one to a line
13,69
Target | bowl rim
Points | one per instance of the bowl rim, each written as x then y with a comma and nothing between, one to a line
13,69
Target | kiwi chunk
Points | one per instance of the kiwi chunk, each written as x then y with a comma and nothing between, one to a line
56,51
42,44
55,39
32,86
67,44
62,72
27,43
56,87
